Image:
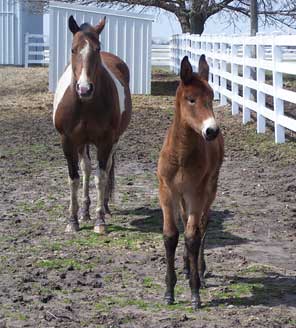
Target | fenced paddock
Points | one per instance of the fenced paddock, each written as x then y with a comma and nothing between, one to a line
239,72
126,34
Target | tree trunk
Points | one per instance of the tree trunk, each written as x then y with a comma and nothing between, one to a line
184,22
197,24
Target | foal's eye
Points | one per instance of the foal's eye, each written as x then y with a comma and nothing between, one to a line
191,100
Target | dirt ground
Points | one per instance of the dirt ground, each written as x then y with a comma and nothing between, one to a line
50,279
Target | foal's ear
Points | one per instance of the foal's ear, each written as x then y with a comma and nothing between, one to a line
186,70
203,68
73,26
99,28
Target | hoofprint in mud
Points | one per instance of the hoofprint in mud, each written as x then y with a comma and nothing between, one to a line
49,279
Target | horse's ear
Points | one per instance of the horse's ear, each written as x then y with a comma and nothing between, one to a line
186,70
203,68
99,28
73,26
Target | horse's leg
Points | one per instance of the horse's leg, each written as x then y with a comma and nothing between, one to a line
186,267
109,188
85,164
71,155
170,236
192,242
105,159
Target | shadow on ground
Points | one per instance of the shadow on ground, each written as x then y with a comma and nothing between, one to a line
151,221
271,290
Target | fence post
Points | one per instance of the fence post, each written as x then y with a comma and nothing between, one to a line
223,69
234,85
27,50
215,72
246,76
277,84
261,98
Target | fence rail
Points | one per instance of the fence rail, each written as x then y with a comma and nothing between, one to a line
246,71
161,55
36,49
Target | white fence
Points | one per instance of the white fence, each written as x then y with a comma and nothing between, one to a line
239,67
36,49
126,34
161,55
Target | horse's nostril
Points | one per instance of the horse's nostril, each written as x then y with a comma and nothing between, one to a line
212,133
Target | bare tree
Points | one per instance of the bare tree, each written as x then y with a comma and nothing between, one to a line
193,14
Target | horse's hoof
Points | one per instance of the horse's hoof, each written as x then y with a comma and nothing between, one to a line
72,227
100,229
169,299
195,301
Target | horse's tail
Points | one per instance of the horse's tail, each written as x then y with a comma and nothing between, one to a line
111,180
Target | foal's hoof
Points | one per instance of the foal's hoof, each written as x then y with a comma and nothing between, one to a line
72,227
195,301
169,299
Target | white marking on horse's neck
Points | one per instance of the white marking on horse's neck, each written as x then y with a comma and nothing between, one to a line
119,87
83,80
63,84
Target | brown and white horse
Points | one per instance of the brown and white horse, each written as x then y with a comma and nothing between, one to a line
92,105
188,170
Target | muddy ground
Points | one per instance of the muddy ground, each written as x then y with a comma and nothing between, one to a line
49,279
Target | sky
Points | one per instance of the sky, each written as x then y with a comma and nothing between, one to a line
167,24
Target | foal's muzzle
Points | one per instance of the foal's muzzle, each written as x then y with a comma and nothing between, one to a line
85,91
211,133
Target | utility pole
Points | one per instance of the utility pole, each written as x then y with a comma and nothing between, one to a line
254,17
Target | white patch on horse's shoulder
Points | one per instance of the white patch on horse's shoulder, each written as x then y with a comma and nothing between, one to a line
119,87
63,84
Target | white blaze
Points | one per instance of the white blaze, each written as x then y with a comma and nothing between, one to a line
83,80
119,87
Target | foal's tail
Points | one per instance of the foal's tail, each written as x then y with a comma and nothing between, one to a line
111,180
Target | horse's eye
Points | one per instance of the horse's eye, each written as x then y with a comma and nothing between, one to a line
73,51
191,100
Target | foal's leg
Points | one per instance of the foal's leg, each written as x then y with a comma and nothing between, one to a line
186,267
171,236
71,155
85,164
101,180
192,242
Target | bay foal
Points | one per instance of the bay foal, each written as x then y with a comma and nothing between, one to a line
188,170
92,105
